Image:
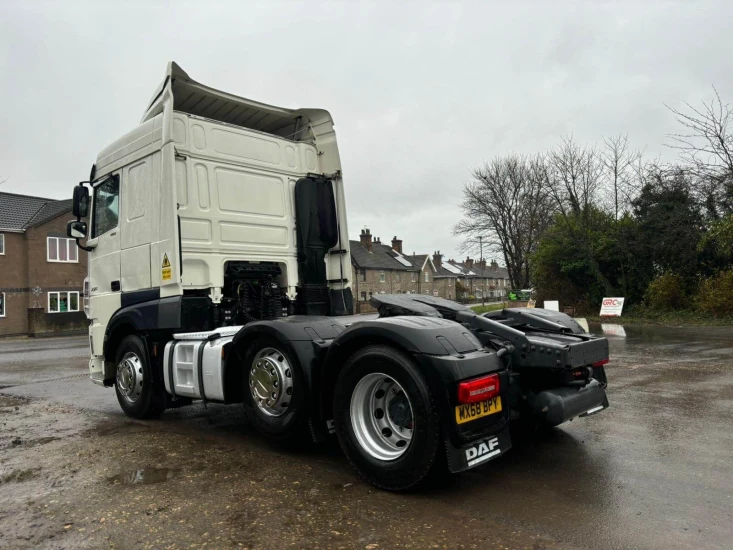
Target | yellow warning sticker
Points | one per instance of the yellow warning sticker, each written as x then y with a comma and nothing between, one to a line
165,268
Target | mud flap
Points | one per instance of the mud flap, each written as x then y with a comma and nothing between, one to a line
478,452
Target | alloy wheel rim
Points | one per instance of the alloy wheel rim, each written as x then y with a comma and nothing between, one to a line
382,416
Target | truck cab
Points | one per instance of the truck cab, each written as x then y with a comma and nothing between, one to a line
214,211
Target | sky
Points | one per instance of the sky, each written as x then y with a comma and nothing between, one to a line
420,92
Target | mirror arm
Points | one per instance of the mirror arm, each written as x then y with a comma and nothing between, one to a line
84,247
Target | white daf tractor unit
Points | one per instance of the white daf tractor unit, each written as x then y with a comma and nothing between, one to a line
219,271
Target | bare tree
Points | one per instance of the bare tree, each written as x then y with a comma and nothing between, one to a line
574,177
507,203
619,172
706,148
575,181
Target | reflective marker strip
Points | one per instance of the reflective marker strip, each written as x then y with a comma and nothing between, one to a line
594,410
483,458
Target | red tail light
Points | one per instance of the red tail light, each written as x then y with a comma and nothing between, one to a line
478,389
601,363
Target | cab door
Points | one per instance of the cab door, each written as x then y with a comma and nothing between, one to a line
104,259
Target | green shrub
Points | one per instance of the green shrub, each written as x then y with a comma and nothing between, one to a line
665,292
715,294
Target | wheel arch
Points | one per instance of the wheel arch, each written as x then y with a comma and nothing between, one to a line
304,338
234,367
346,345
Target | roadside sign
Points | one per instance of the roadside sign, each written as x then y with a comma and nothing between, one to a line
519,295
611,307
552,305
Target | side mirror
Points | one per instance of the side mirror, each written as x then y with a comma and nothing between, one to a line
81,202
76,229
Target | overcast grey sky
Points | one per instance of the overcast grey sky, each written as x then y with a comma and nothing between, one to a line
420,92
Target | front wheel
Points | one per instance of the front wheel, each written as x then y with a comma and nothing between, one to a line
386,419
134,385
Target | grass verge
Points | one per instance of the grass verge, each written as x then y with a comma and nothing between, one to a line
489,307
683,317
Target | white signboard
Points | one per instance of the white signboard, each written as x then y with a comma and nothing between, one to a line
611,307
552,305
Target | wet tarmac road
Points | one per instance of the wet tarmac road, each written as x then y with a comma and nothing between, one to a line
653,471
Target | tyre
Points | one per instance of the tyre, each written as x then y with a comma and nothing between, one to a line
386,419
134,386
275,393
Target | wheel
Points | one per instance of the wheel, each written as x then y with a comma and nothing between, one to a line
386,419
134,385
274,393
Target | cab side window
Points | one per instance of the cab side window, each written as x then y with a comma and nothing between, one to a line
106,206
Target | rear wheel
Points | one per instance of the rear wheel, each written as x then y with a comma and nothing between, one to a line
386,419
134,385
274,392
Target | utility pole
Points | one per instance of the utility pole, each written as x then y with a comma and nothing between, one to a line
481,260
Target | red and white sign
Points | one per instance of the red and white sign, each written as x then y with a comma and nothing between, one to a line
611,307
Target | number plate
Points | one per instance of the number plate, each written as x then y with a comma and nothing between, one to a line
466,413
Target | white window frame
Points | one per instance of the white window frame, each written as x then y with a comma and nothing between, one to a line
69,244
382,277
2,244
68,301
413,279
5,305
427,276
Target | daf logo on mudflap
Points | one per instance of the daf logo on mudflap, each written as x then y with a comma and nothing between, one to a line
483,451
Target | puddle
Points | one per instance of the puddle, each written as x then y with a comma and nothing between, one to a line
613,330
145,476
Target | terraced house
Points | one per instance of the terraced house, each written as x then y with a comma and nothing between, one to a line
41,270
378,268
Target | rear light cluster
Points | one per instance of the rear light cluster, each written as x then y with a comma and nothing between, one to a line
600,363
478,389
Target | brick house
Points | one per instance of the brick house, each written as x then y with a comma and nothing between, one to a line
480,277
41,270
379,268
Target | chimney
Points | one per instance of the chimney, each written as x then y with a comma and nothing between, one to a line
469,262
397,244
481,264
366,239
377,240
494,265
437,259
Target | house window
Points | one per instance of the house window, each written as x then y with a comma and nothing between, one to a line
362,275
2,244
397,277
382,277
363,296
427,277
59,249
63,302
2,304
413,277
